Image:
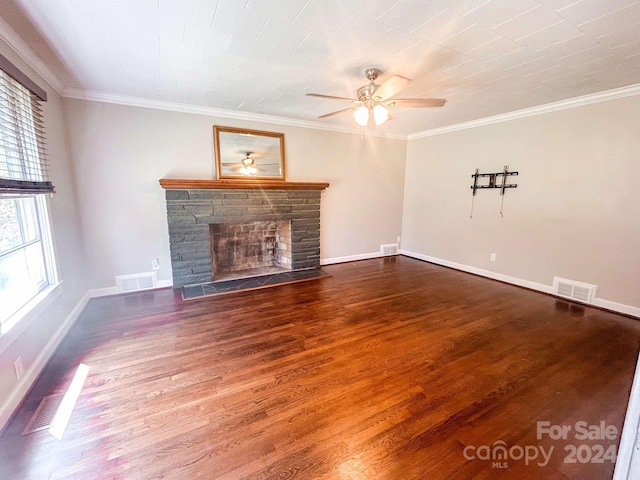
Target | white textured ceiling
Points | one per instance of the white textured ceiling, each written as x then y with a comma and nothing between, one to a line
486,57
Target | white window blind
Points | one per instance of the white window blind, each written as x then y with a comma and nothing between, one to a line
23,164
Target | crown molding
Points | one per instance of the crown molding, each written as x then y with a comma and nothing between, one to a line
15,42
212,112
529,112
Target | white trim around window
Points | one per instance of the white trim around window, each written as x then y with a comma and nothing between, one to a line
25,314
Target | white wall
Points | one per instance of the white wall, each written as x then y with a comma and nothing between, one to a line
120,153
34,344
574,214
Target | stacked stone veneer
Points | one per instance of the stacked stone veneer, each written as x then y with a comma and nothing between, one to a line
191,212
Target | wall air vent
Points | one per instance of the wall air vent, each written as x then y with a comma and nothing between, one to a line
389,249
578,291
135,282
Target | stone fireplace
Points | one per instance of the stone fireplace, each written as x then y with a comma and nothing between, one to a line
222,228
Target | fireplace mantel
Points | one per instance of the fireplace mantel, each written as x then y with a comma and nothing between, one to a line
183,184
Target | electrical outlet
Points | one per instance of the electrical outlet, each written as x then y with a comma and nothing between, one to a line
398,239
19,368
155,264
492,257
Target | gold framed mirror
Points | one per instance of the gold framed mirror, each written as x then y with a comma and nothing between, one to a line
248,154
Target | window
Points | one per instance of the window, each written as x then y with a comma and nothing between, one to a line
26,263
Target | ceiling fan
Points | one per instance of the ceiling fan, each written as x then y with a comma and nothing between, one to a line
374,100
248,166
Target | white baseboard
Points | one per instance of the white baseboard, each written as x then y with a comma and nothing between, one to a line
350,258
102,292
479,271
616,307
540,287
105,292
32,374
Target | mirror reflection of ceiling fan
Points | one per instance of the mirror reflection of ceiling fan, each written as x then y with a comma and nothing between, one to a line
248,165
374,100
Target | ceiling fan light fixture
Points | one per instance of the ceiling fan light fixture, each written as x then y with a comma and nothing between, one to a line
250,170
361,115
374,100
380,114
248,165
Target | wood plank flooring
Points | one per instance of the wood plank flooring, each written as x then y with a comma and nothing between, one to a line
389,369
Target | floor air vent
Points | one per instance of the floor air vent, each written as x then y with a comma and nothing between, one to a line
389,249
581,292
43,416
137,281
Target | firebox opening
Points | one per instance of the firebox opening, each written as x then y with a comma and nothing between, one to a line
249,249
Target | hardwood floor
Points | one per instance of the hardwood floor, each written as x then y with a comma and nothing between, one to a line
389,369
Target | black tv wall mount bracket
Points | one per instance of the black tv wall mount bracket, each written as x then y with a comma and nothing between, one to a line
493,180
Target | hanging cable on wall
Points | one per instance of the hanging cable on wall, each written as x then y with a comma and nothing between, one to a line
505,171
473,196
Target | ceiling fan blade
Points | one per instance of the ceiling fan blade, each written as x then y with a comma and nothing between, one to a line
335,113
344,99
416,102
391,87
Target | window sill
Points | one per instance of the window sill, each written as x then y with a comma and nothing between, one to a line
23,318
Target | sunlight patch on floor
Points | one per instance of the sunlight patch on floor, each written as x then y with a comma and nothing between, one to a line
63,414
